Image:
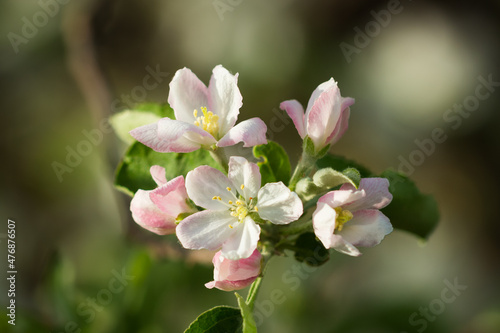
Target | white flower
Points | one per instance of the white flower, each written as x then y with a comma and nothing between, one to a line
230,202
350,217
204,116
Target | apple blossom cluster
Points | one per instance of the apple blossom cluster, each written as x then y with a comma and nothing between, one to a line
230,209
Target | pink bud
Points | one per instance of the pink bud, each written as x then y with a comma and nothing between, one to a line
235,274
158,209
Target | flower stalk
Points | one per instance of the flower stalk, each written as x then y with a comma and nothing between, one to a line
220,157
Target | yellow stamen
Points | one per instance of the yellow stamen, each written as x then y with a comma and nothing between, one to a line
230,202
208,122
215,198
242,186
256,209
228,188
230,226
343,216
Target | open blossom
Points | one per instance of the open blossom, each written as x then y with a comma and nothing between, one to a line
326,117
235,274
204,116
350,217
158,209
231,202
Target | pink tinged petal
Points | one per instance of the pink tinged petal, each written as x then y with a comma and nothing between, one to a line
341,127
251,132
171,197
327,85
244,268
242,172
343,246
367,228
225,99
295,111
377,194
158,174
187,93
169,135
234,270
341,197
343,122
324,116
347,102
204,183
324,223
230,285
277,204
206,230
243,241
146,214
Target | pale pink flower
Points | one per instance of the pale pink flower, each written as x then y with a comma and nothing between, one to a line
350,217
326,117
157,210
235,274
231,202
204,116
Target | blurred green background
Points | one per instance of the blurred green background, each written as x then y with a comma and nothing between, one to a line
68,65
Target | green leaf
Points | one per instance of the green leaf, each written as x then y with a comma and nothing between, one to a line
249,325
341,163
219,319
275,166
308,146
133,171
143,114
410,210
310,250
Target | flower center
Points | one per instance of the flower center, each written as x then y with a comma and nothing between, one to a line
343,216
239,207
240,210
208,122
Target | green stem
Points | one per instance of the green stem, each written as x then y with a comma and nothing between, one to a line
220,157
303,168
297,227
252,293
267,254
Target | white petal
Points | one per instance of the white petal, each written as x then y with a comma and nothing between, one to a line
204,183
341,127
243,242
323,116
367,228
318,91
225,98
341,245
324,223
187,93
169,135
206,230
251,132
242,172
277,204
377,194
341,197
